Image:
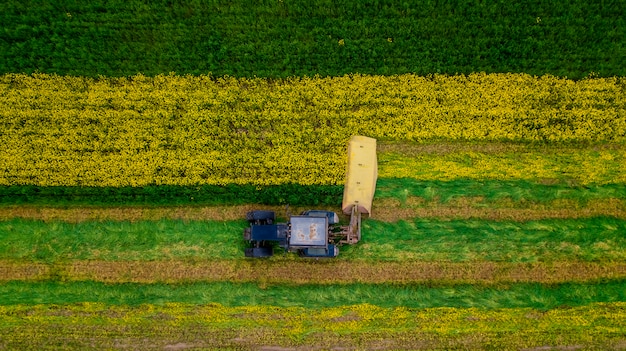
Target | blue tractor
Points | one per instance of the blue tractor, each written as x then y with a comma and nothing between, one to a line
317,233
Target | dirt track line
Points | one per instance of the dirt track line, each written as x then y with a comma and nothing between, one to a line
388,210
314,272
23,271
391,210
130,213
490,147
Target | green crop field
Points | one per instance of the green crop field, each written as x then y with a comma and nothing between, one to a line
329,38
135,136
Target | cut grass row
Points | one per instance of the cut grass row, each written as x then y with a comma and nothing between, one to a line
590,239
298,272
313,296
173,326
386,210
476,208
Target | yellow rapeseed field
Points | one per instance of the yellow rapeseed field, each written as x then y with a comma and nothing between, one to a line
187,130
574,166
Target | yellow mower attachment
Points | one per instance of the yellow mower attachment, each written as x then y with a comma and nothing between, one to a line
361,175
358,193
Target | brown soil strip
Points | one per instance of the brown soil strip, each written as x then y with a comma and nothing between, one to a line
388,210
391,210
317,272
80,214
444,148
23,271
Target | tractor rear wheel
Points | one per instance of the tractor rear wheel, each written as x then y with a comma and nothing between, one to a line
258,252
261,217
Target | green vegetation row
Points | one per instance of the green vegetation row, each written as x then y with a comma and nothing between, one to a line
297,38
173,195
362,326
592,239
538,296
520,191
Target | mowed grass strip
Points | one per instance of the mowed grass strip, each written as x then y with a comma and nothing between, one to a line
521,295
593,240
23,270
384,209
392,210
172,326
289,271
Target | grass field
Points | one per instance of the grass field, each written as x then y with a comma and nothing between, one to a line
595,239
475,260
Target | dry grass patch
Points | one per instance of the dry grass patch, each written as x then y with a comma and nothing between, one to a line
11,270
392,210
315,272
386,209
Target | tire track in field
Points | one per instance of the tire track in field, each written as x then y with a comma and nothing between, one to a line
391,210
281,271
387,210
10,270
410,149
